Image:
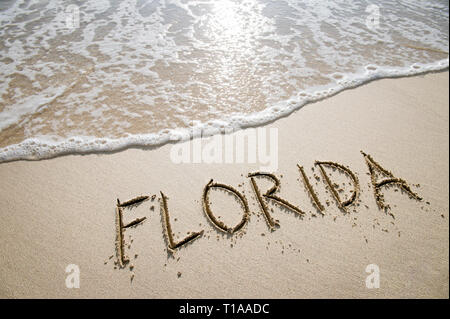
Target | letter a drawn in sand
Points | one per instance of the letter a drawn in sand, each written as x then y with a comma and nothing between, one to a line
390,180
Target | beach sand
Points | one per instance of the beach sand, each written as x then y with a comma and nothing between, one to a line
61,211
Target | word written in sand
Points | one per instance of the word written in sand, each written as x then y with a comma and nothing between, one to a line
380,178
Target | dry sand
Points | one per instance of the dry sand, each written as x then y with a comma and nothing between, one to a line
62,211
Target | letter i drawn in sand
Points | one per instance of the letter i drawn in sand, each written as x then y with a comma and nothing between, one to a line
311,192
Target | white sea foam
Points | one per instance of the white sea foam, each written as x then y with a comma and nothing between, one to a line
146,72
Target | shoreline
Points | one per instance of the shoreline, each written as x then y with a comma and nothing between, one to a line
125,143
61,211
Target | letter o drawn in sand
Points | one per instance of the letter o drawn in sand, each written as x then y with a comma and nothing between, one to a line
220,225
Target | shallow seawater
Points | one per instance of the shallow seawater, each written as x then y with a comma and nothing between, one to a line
98,75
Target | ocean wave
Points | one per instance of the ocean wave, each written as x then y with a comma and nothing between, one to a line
45,148
101,76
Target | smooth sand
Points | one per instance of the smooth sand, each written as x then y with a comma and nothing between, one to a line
62,211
